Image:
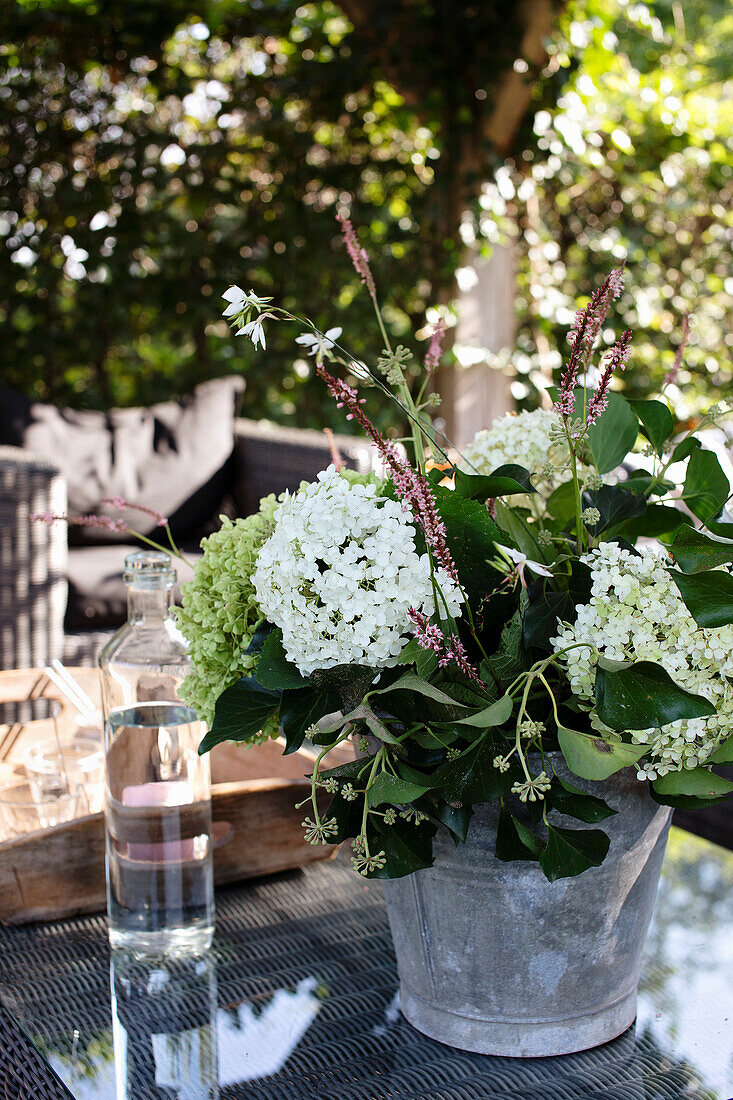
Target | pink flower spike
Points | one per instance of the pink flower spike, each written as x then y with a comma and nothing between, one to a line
427,635
615,359
336,457
411,486
671,375
582,337
357,254
435,350
105,522
121,504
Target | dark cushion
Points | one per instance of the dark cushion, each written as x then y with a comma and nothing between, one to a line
173,457
97,593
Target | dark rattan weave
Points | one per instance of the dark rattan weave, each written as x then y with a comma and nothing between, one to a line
318,942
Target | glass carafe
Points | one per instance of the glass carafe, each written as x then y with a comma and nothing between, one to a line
158,789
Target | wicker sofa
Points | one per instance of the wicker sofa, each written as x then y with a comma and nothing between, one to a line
34,557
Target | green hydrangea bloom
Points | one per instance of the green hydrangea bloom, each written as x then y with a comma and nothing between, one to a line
219,614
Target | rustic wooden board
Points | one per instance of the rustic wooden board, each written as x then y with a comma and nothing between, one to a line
59,872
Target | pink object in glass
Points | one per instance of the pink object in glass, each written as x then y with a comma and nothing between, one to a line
161,794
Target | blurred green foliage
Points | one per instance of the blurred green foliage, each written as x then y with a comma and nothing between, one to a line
629,159
150,157
152,153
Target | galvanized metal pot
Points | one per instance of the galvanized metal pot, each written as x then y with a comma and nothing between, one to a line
495,959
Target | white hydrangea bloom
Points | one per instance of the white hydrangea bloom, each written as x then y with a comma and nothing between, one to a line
339,574
636,613
523,439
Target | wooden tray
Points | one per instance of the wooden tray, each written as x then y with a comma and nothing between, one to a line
59,872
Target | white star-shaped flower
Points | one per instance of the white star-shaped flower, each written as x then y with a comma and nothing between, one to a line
255,331
239,300
522,562
317,343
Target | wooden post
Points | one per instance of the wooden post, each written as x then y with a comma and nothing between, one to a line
474,392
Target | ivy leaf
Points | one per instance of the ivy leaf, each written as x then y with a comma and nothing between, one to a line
495,715
455,818
570,800
708,596
507,662
241,712
695,551
640,695
706,487
615,505
691,788
274,670
424,660
613,435
407,847
471,537
658,519
514,840
472,777
569,852
547,606
504,481
723,754
411,682
685,448
561,502
301,708
592,757
657,422
388,788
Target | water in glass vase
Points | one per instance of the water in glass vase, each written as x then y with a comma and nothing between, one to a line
159,868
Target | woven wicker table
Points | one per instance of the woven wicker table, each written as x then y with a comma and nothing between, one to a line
297,1001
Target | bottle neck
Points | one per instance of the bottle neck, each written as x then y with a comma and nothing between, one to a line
148,605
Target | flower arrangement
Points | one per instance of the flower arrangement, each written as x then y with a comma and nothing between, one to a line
469,635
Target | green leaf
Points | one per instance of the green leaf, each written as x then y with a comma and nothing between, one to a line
569,852
547,606
455,818
561,502
706,487
570,800
424,660
505,481
510,521
241,712
273,669
691,788
657,520
592,757
413,683
514,840
642,695
708,596
657,422
615,505
473,778
685,448
471,537
507,662
613,435
723,754
407,847
301,708
388,788
695,551
495,715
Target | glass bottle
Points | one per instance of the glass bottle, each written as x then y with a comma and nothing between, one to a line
158,789
165,1027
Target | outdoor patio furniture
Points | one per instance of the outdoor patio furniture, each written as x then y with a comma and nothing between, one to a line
297,1002
36,623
